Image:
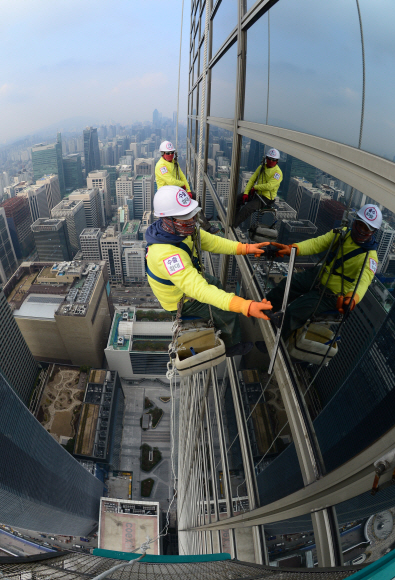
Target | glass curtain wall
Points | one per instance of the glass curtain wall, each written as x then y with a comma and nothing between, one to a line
310,79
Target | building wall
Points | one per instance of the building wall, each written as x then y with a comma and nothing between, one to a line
44,340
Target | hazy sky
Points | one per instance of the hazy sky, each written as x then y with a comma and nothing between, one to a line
106,61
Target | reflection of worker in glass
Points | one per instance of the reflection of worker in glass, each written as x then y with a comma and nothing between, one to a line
173,269
168,172
332,285
261,190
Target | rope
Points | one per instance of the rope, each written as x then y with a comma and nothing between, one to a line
179,73
268,65
199,191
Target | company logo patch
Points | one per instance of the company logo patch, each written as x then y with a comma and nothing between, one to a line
277,176
163,170
183,198
169,146
370,213
372,265
174,264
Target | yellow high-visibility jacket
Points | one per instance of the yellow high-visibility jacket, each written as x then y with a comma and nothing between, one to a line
352,265
166,174
173,265
268,183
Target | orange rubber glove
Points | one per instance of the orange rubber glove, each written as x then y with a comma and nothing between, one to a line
285,250
249,307
344,301
244,249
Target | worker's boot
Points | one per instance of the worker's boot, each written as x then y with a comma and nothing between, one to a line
239,349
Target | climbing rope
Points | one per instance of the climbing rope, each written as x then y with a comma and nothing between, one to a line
199,189
179,72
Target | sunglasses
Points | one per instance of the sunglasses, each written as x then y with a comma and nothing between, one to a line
169,153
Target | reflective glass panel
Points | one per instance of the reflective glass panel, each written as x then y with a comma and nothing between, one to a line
310,91
219,159
223,85
203,22
378,131
255,107
201,58
290,543
225,20
195,69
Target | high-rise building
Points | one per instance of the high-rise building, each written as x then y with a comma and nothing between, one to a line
17,364
72,168
124,188
19,223
48,160
112,171
100,179
90,244
92,204
52,189
144,166
330,215
385,238
8,260
292,231
52,240
74,213
143,193
62,310
133,260
37,199
111,251
304,198
91,150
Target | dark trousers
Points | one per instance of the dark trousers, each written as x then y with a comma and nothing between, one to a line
244,211
227,322
302,301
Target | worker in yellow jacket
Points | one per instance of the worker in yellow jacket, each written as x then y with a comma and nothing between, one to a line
173,268
332,285
262,187
168,172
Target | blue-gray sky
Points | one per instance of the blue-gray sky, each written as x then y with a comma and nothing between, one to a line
109,61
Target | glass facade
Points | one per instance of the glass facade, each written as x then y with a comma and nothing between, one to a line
42,487
303,78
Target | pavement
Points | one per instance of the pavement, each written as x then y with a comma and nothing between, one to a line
134,436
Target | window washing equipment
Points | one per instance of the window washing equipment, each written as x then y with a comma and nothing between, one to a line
315,341
259,233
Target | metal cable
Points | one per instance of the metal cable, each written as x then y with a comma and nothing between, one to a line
199,191
268,65
179,73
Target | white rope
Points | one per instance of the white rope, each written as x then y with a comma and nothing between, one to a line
179,73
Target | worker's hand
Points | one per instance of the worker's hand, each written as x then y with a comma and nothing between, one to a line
256,249
343,302
190,194
245,197
284,250
252,191
184,187
257,309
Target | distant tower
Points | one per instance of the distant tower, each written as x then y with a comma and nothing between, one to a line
91,150
8,262
155,118
72,167
47,160
52,240
74,212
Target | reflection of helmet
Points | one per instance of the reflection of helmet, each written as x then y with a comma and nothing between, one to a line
273,154
172,201
166,147
371,215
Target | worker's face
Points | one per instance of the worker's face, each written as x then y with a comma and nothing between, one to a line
360,232
169,156
271,162
185,227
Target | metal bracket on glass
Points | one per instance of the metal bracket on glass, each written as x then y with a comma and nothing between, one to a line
280,320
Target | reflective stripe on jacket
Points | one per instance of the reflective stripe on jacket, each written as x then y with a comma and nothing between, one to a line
173,264
352,266
267,183
166,174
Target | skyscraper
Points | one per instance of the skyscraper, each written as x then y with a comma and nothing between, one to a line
101,179
124,188
91,150
143,193
8,261
385,237
52,190
72,168
90,243
47,160
19,223
13,347
52,240
74,212
111,251
37,199
92,204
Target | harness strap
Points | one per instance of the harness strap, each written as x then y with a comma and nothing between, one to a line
156,278
181,246
340,261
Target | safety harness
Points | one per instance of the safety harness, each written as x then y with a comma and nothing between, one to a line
339,262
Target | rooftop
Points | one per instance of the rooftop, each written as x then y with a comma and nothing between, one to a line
131,227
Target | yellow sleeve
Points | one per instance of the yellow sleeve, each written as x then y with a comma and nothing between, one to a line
164,177
183,178
216,244
367,275
193,285
315,245
252,181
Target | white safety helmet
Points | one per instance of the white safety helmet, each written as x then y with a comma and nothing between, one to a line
273,154
172,201
371,215
166,147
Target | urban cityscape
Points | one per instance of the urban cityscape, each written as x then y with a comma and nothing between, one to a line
273,453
